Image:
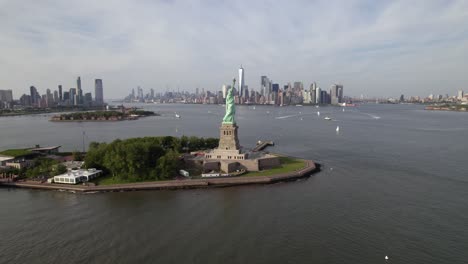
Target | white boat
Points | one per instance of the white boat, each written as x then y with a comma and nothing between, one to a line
327,118
318,113
253,108
177,115
338,129
343,109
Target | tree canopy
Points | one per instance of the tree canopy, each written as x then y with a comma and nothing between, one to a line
147,158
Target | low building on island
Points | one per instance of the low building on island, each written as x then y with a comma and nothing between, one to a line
77,176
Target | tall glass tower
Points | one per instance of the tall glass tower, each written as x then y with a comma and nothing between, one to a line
241,82
98,92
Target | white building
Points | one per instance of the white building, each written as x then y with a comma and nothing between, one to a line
460,95
241,82
77,176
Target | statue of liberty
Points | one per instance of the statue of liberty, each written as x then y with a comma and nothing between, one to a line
230,107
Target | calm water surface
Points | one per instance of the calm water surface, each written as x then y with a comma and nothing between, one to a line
394,182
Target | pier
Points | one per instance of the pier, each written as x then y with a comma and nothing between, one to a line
262,145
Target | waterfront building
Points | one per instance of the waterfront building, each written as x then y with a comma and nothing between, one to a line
87,99
298,87
77,176
6,96
306,97
99,92
25,100
460,95
336,94
46,150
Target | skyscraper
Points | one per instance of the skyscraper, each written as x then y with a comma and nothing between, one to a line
318,95
49,98
35,97
56,97
241,81
265,87
73,96
79,92
98,92
60,92
336,93
313,93
224,90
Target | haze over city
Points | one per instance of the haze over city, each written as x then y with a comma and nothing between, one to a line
375,48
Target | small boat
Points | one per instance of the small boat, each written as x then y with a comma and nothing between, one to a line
338,129
177,115
253,108
318,113
327,118
343,109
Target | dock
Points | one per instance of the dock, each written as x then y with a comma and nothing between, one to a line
262,145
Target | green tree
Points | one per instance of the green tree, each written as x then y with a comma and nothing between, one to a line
77,156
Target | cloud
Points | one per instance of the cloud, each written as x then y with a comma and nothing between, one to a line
372,47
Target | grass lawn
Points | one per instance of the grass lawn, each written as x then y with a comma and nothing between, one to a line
108,180
287,165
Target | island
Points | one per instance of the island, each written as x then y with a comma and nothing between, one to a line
103,116
448,107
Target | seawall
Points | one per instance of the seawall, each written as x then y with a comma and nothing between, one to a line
309,169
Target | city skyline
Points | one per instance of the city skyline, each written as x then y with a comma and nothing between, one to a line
375,48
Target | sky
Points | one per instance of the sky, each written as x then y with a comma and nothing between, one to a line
374,48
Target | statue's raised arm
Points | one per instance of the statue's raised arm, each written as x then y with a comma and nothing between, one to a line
230,107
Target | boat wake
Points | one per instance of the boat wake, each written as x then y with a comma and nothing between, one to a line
288,116
373,116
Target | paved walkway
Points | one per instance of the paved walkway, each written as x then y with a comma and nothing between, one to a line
172,184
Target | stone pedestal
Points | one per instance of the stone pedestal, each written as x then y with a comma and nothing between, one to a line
228,139
228,148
